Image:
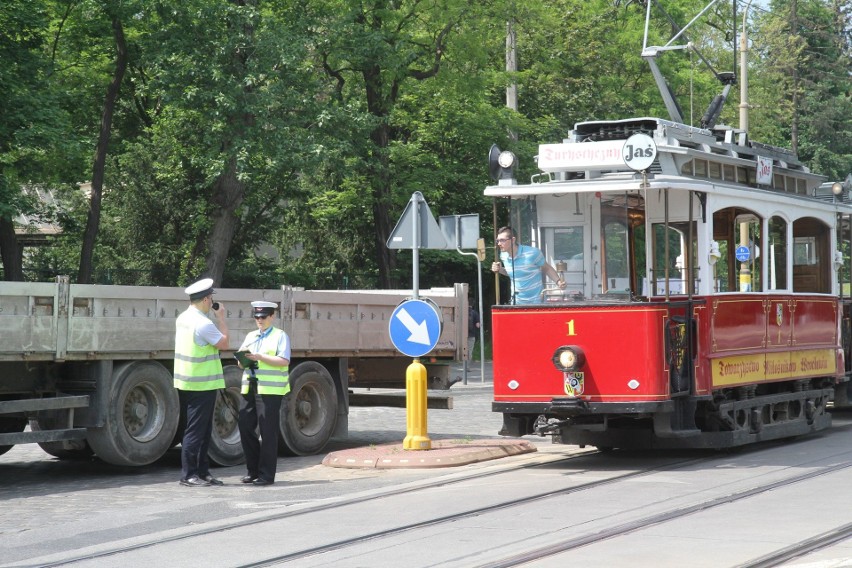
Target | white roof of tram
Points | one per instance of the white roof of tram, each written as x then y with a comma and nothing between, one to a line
590,160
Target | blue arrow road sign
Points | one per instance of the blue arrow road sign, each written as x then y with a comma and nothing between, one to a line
415,328
742,254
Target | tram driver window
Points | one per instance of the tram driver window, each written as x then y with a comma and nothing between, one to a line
567,246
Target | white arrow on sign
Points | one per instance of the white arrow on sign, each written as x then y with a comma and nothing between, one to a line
419,331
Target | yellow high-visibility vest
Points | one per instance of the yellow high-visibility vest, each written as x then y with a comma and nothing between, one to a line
197,368
270,379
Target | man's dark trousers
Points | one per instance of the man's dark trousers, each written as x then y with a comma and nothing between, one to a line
198,409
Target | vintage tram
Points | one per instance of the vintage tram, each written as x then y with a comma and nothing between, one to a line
704,306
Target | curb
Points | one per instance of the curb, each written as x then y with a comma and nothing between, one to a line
444,453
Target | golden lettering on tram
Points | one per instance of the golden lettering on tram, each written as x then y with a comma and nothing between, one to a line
571,328
773,366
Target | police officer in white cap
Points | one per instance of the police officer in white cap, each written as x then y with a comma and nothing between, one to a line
198,375
265,383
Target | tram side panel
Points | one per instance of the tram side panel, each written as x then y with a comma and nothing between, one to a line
768,339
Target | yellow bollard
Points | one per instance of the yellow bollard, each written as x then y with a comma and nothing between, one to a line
415,408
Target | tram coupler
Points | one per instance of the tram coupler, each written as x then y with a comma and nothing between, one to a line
548,426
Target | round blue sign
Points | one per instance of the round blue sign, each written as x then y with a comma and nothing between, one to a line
415,327
742,254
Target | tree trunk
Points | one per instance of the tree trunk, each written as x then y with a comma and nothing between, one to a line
228,194
10,251
382,194
84,276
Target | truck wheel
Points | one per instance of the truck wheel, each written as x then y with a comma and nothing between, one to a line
309,414
9,425
67,449
141,415
225,448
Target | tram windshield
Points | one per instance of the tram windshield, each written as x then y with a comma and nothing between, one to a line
596,243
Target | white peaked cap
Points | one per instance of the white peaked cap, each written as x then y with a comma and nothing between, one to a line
200,289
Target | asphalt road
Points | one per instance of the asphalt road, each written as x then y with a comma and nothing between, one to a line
50,508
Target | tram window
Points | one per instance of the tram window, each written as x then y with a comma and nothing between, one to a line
801,187
742,175
715,170
747,235
728,172
701,168
777,254
804,249
686,168
567,246
616,277
778,181
811,270
680,256
720,269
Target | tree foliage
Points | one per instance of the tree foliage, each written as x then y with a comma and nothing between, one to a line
263,142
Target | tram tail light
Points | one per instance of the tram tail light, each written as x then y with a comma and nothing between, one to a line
569,358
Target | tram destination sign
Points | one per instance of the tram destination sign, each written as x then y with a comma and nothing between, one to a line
574,157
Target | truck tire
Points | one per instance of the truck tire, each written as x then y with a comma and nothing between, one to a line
309,412
10,425
141,416
67,449
225,447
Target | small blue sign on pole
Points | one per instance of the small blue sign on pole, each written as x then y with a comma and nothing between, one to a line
415,327
742,254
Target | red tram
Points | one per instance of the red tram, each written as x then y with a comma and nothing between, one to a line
703,307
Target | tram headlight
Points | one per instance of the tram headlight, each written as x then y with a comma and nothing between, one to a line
569,358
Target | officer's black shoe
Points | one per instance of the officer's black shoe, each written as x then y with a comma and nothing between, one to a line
262,482
211,480
194,481
247,479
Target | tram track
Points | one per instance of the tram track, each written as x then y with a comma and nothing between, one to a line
362,499
353,544
674,514
466,514
801,548
211,528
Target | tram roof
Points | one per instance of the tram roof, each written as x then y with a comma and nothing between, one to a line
687,159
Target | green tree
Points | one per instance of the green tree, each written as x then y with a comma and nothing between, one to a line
32,121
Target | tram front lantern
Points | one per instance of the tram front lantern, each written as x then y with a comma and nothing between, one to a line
569,358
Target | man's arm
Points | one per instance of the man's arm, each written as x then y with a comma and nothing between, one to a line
223,342
553,275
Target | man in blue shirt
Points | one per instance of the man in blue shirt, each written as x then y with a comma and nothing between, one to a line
524,266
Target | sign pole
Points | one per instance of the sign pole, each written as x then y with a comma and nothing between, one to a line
415,324
415,246
458,232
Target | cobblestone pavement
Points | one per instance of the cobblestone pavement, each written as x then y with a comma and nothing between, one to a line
50,505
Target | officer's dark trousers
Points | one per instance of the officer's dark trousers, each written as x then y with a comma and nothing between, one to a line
198,409
260,412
